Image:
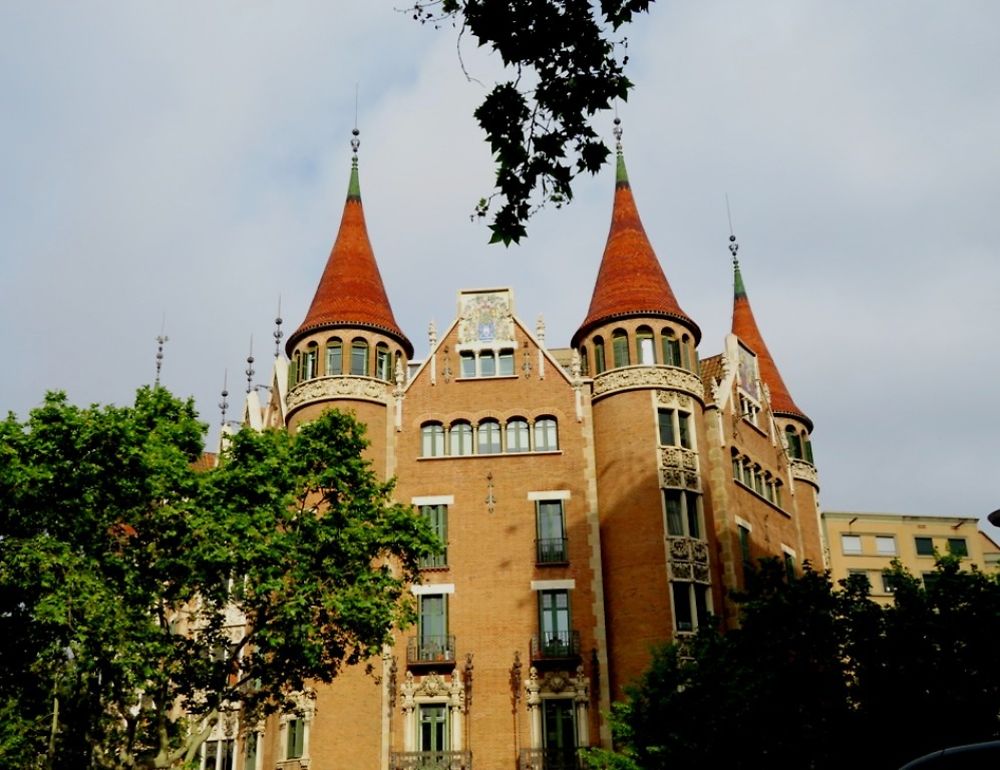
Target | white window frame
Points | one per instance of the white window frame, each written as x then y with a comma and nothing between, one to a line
844,536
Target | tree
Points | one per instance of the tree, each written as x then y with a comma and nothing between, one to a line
822,677
564,70
141,599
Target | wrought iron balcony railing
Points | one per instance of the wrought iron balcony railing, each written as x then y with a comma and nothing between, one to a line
558,758
430,760
551,550
431,650
551,645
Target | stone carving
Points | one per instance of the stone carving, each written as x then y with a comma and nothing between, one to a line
805,471
486,319
680,570
533,687
679,468
688,559
674,399
632,377
582,686
553,682
340,386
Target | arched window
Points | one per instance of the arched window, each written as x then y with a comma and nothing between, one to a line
546,434
517,435
671,347
359,357
686,352
619,343
383,362
584,363
460,439
794,443
489,438
807,447
487,364
309,361
598,355
293,370
506,363
644,346
334,356
431,439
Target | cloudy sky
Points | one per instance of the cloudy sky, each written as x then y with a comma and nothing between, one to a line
191,160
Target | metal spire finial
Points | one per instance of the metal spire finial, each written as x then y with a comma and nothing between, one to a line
250,370
733,245
160,341
277,333
224,404
617,131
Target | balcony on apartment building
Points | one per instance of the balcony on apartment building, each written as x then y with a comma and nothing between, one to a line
555,646
430,760
431,651
551,550
554,758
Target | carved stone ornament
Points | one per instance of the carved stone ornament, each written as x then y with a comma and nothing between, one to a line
533,687
340,386
680,570
805,472
633,377
674,399
688,559
553,682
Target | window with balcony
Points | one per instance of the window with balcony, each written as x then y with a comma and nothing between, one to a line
334,356
554,629
432,439
683,512
359,358
551,529
437,517
546,434
433,642
674,427
850,544
559,731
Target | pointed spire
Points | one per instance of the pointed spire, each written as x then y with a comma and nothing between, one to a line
350,291
630,281
745,327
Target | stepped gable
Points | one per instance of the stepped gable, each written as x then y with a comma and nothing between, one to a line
745,327
630,281
350,291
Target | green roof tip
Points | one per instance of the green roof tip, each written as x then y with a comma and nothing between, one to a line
354,186
739,290
621,175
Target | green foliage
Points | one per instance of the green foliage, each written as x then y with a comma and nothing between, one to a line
132,584
822,677
562,56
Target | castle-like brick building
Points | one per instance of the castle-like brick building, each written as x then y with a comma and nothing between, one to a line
596,501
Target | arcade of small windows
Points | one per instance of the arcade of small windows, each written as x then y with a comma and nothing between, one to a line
486,363
649,348
489,437
799,445
756,479
337,355
749,410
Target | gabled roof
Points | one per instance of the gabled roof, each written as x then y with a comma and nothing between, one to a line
350,291
630,281
745,327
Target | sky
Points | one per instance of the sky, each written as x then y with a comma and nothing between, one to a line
180,166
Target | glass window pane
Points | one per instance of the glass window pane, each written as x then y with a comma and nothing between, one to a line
620,346
924,545
359,358
487,365
957,546
461,439
489,438
506,363
382,365
517,435
693,520
546,439
334,358
885,545
850,543
684,424
665,418
683,620
468,364
675,515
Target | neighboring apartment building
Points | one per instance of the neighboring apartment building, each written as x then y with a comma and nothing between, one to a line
866,543
595,500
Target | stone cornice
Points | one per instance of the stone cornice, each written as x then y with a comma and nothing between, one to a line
640,377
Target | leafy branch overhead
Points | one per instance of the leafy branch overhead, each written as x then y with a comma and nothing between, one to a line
562,55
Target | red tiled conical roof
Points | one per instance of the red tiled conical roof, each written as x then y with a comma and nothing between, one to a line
745,327
350,292
630,281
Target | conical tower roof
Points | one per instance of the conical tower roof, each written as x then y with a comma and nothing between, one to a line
745,327
630,281
350,291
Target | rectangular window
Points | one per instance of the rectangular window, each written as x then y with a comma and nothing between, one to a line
296,738
745,553
468,360
887,586
433,719
554,625
789,566
433,627
701,604
957,546
850,544
665,419
334,359
924,546
359,359
517,436
684,429
598,357
619,344
674,428
559,733
437,517
683,617
487,364
885,545
506,363
672,501
382,365
551,532
644,347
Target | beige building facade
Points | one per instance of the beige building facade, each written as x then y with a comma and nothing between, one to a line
595,500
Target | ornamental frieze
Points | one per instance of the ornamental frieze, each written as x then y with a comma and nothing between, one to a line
688,559
805,472
633,377
341,386
674,399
